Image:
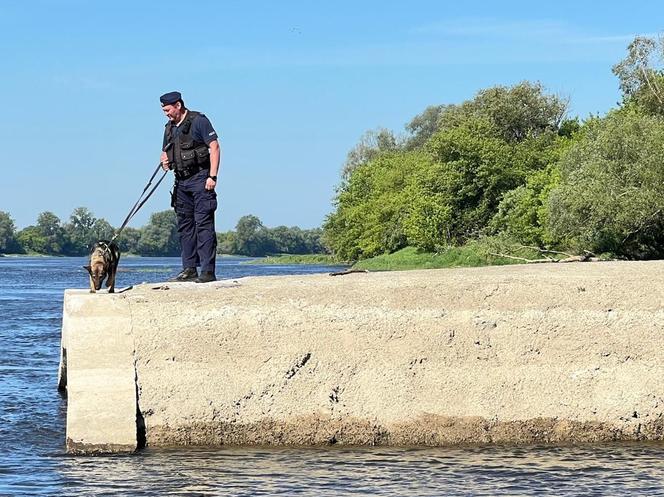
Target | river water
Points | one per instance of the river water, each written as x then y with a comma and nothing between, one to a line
32,427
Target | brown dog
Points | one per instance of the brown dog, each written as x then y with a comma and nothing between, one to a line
104,258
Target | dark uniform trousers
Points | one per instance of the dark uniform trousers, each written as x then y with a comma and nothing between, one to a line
195,207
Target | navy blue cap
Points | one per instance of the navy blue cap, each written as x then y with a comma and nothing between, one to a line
170,98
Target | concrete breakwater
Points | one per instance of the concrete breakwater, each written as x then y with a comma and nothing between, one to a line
531,353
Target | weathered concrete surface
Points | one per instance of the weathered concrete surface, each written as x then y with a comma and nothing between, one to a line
539,353
97,370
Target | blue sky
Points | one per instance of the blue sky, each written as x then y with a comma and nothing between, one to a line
290,87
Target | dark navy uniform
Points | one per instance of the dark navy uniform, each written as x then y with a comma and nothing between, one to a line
194,205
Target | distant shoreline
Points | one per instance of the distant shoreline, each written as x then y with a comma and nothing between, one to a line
306,259
301,259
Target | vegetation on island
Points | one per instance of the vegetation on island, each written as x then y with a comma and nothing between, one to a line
508,172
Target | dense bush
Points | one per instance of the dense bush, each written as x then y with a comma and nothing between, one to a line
611,192
375,205
523,213
444,185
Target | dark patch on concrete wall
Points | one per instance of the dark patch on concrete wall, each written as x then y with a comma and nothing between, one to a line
140,420
62,373
298,365
427,430
78,448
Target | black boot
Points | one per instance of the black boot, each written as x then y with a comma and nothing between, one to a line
206,277
187,274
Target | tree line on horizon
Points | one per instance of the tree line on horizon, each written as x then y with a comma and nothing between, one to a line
509,166
50,236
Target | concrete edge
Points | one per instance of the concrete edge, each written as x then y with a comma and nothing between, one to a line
98,371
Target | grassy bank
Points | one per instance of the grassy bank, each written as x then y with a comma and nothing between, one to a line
475,253
471,255
286,259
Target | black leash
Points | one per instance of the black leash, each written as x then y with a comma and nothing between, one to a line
141,200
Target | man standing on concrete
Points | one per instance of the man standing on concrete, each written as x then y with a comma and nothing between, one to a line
191,149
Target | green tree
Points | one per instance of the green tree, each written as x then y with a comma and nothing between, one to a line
129,240
294,240
160,236
569,127
523,213
372,207
31,239
50,228
371,144
641,74
79,231
226,242
611,192
516,112
425,125
84,229
476,167
287,240
102,230
523,110
7,233
314,242
251,237
428,225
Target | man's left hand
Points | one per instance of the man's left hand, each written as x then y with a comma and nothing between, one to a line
210,184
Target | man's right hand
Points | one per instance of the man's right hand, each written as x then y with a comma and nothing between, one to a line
165,165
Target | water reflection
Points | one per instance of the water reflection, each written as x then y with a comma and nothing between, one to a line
623,469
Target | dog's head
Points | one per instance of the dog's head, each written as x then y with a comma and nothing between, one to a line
98,272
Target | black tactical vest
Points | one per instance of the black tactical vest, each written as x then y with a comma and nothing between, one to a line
188,155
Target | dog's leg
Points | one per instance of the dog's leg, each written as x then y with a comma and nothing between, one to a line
92,283
114,267
110,282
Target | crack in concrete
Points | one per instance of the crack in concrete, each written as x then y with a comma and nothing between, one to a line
141,434
298,365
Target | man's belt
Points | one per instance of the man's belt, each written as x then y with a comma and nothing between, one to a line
182,174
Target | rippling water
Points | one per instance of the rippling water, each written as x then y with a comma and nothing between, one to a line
32,426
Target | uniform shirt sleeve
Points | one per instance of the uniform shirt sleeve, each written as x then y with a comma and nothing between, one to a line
203,130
